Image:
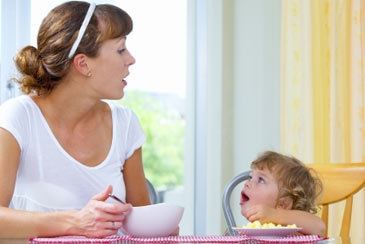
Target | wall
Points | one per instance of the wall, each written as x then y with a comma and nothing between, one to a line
257,80
242,88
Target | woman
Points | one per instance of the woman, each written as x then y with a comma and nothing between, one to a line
62,149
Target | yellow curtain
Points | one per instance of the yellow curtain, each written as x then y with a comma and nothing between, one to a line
323,88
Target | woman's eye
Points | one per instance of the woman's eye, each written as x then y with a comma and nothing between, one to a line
261,180
121,51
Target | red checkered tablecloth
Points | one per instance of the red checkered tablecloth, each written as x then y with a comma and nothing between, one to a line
176,239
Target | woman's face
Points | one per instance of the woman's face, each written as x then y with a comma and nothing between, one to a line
110,68
260,188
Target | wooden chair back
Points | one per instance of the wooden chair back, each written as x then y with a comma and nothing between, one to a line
340,182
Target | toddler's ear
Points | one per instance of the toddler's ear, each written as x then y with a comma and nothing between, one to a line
285,203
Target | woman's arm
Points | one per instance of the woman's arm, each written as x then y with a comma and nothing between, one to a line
310,223
135,181
94,220
9,161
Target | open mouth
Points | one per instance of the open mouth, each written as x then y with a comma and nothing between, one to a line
244,198
124,81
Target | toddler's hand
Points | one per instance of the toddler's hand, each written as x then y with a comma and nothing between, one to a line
262,213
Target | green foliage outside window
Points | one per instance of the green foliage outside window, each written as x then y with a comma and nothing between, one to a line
163,151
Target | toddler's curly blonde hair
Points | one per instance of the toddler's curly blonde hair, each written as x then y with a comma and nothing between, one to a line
295,180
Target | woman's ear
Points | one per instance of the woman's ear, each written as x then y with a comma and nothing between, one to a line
80,64
285,203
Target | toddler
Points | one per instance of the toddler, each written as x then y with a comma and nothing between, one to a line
282,190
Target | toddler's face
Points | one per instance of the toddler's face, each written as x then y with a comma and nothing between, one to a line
260,188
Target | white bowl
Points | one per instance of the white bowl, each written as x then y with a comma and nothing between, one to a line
153,220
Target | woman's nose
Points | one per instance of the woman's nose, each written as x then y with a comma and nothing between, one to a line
131,59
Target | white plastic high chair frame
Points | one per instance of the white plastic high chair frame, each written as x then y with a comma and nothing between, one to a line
152,192
227,211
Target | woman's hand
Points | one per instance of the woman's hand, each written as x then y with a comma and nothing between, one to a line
99,219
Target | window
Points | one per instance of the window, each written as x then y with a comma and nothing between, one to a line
14,35
156,87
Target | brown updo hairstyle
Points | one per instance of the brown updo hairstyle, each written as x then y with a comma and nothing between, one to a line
294,179
43,68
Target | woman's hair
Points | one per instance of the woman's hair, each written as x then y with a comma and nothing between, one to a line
295,180
43,68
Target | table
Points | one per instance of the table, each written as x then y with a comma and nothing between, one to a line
337,240
345,240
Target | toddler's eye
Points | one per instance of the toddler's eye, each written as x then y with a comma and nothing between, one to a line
249,177
261,180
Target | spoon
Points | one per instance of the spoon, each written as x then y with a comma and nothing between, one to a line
116,198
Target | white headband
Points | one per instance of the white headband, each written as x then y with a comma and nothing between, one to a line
82,30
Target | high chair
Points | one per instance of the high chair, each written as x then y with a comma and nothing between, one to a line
340,182
152,192
226,205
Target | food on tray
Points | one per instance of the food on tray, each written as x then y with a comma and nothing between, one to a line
257,224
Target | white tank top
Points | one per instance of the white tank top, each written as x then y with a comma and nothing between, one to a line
48,178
